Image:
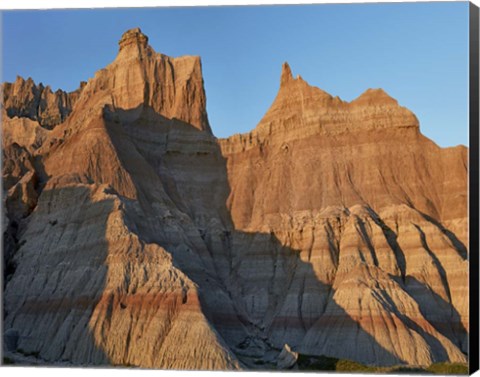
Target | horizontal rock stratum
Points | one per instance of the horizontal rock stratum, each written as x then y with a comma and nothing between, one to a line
134,237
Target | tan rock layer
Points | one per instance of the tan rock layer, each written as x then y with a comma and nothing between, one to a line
333,227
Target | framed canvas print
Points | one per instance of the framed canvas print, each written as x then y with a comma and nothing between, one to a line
258,188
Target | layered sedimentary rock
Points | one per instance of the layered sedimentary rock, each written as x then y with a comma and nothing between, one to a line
363,197
172,87
135,237
93,281
25,99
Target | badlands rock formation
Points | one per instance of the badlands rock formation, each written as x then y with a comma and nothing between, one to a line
133,236
24,99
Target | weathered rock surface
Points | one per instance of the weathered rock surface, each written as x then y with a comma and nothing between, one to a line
287,358
363,197
10,340
139,77
25,99
135,237
367,151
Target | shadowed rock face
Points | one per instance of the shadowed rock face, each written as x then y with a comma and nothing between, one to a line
24,99
134,237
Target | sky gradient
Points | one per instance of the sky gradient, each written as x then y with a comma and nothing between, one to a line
417,52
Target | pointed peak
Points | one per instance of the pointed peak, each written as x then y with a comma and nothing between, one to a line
133,37
373,96
375,92
286,74
20,82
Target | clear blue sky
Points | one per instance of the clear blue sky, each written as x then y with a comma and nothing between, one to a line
417,52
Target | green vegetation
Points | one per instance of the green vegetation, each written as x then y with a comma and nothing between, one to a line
26,353
307,362
324,363
448,368
352,366
8,361
407,370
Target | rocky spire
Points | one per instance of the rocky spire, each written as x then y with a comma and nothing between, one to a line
139,76
286,74
133,37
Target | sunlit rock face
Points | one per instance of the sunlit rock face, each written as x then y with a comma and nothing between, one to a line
134,237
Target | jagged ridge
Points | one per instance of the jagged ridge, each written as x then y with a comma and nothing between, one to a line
334,227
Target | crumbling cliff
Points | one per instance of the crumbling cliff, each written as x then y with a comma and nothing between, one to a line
133,236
